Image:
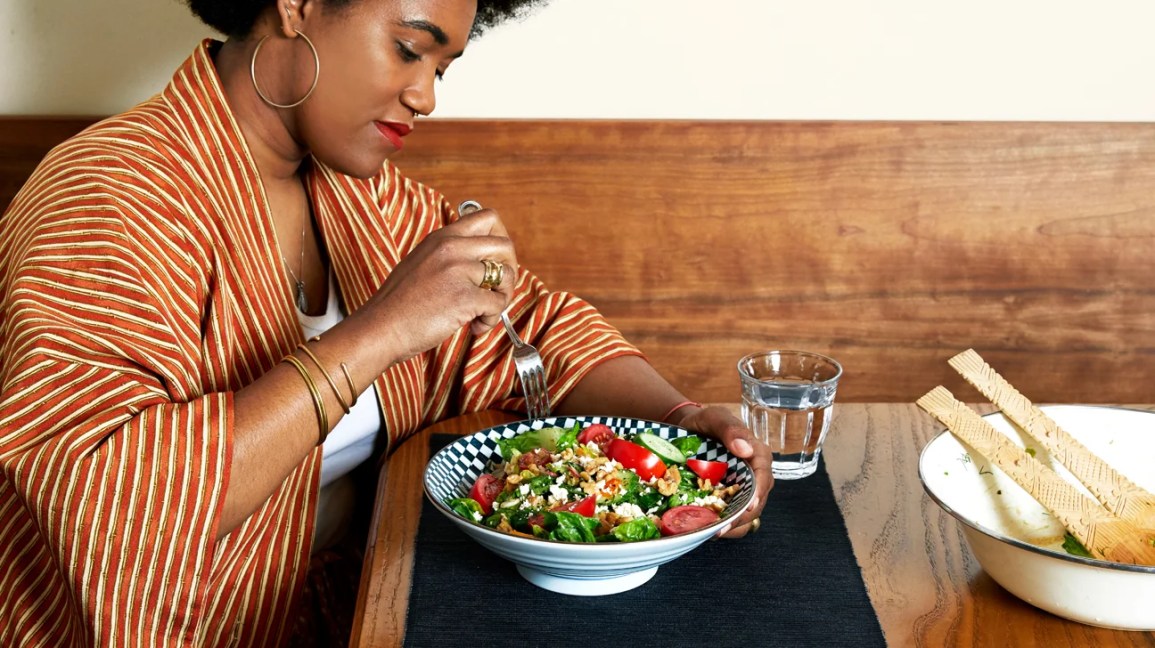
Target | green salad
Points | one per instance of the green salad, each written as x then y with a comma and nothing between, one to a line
594,485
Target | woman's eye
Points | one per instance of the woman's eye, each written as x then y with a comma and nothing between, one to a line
407,54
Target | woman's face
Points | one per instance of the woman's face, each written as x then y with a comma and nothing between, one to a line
379,62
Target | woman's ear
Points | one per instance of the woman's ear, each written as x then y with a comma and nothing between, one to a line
291,13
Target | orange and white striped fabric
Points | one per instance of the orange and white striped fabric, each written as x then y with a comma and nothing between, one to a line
141,286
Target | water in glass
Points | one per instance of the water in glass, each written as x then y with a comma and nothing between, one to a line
788,402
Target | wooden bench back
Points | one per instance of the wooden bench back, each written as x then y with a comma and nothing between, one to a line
890,246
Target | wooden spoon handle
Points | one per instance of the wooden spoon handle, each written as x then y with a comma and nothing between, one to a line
1113,489
1104,535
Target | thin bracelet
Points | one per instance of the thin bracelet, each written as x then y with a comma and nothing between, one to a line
352,387
666,417
328,378
318,402
345,369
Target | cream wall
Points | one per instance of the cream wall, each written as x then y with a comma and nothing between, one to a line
739,59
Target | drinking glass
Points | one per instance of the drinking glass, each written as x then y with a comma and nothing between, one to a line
788,400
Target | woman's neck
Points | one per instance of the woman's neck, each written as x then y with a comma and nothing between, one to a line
267,131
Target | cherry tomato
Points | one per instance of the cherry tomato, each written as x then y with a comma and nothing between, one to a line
485,490
715,471
683,519
585,508
636,458
599,434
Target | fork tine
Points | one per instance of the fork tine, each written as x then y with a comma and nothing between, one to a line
533,392
529,386
533,406
541,392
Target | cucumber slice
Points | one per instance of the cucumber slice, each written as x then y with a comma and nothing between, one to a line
665,450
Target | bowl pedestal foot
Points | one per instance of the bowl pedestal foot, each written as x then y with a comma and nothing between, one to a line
586,586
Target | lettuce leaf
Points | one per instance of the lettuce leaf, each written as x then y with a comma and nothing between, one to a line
551,439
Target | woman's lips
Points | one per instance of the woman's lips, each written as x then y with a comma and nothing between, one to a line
393,132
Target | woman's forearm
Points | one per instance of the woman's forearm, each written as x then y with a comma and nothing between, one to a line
275,421
623,386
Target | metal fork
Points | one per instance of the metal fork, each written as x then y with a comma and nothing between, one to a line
531,371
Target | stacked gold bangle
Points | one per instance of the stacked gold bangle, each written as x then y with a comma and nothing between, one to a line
329,378
318,400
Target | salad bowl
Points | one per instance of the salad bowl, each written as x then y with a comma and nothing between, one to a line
575,568
1021,545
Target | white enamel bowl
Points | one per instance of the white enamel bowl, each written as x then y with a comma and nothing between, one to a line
573,568
1019,543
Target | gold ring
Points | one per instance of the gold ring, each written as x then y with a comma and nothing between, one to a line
755,524
494,272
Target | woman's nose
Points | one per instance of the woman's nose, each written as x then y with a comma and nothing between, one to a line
420,98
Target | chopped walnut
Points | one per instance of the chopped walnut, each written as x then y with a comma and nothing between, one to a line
668,485
606,522
727,492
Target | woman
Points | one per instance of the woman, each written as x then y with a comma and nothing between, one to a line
218,303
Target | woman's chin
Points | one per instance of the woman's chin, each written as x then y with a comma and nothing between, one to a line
361,168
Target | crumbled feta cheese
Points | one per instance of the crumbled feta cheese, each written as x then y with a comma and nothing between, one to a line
523,489
711,501
558,494
629,510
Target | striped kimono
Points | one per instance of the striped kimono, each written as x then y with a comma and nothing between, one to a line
141,286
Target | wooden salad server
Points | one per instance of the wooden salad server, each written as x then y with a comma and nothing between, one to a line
1104,535
1114,490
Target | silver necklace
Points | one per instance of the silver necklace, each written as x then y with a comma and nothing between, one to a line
298,282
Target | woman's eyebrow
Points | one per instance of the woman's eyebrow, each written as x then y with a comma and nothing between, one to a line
436,32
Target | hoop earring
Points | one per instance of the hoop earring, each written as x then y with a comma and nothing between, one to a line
316,74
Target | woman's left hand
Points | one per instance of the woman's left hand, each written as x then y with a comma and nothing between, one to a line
719,423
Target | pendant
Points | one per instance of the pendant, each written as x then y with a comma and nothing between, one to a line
302,300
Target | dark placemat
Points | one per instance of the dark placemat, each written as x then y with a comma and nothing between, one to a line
794,583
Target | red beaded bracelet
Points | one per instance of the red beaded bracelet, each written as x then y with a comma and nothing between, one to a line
667,415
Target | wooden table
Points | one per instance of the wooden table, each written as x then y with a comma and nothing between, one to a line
923,581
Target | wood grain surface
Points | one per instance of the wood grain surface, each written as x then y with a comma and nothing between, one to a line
888,245
922,579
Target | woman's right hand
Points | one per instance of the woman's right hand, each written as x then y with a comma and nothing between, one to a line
435,290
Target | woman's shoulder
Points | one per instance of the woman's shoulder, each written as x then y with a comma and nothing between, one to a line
109,150
150,128
121,170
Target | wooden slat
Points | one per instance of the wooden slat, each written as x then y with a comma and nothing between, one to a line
891,246
23,143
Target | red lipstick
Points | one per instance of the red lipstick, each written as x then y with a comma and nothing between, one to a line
393,131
